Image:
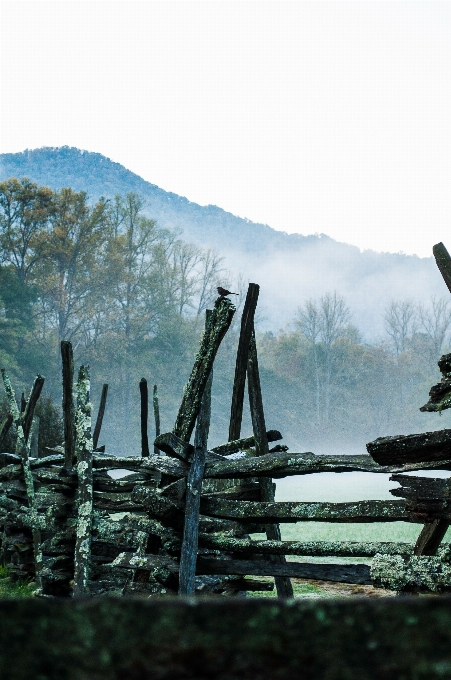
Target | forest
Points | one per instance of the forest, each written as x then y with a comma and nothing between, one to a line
131,297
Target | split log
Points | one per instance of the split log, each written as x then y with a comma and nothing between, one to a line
218,324
167,466
115,502
173,446
342,573
31,405
244,444
188,555
426,498
100,414
247,325
411,448
283,584
67,359
272,513
310,548
240,492
5,427
85,491
156,414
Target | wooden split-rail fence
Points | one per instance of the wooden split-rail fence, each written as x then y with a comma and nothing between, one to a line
181,519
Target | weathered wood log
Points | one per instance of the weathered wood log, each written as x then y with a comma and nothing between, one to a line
421,488
443,261
240,492
272,513
6,425
188,555
307,548
247,325
411,448
22,450
173,446
67,360
156,414
100,414
144,394
286,464
440,394
34,437
218,324
85,490
244,444
342,573
168,466
31,405
103,482
115,502
275,465
283,584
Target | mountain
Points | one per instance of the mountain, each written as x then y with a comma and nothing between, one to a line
290,268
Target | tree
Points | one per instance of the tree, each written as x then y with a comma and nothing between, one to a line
25,209
435,322
323,323
400,323
69,272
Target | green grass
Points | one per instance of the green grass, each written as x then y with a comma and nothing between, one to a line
12,588
300,590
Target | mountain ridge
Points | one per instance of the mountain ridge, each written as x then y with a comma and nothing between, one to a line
290,267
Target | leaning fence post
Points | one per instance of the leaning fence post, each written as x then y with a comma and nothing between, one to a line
217,325
100,414
188,556
85,493
67,360
247,324
283,583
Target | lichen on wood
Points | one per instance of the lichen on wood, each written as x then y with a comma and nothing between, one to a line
217,326
84,500
414,573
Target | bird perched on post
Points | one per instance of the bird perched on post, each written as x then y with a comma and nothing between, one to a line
223,292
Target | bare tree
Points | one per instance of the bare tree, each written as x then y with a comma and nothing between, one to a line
435,322
308,322
400,323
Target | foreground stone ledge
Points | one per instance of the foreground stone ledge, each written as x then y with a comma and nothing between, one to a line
132,639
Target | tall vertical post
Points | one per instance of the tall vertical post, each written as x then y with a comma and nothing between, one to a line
188,556
247,324
144,417
283,583
67,359
84,500
156,413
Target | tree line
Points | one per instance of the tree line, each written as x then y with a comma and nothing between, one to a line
130,296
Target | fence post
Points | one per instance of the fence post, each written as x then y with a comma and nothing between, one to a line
144,417
247,324
67,359
156,413
85,493
188,556
100,414
283,583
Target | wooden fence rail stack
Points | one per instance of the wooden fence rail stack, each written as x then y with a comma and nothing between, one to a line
181,520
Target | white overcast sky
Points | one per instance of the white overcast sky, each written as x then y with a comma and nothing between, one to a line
329,117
